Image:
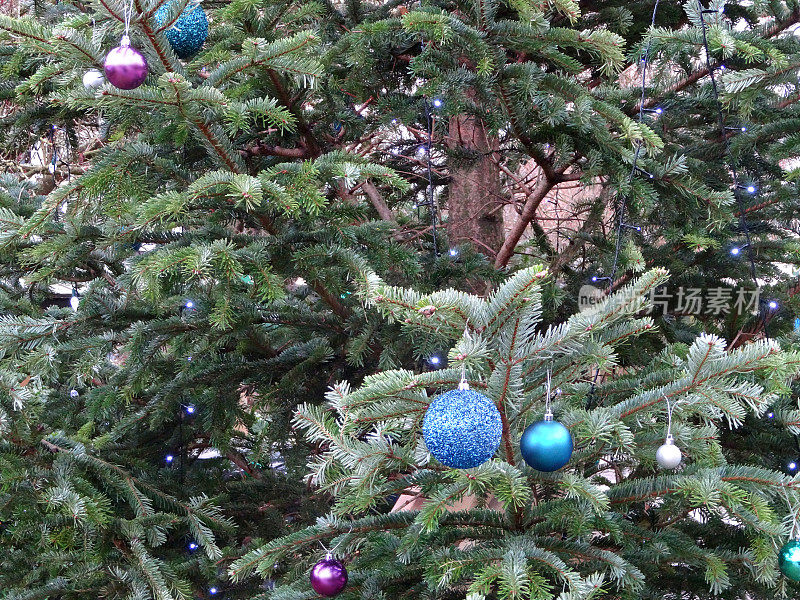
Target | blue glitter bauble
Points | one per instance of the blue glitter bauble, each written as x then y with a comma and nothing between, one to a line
546,445
189,32
462,429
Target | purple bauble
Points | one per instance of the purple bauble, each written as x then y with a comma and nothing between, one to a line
125,66
328,576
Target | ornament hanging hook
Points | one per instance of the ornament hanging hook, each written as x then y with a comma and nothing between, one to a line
329,553
548,411
463,384
127,13
670,409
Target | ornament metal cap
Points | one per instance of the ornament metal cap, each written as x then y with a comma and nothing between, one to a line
670,441
125,41
548,416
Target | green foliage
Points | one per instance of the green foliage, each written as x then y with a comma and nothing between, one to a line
273,181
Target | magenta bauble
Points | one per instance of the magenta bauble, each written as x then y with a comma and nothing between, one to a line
328,576
125,66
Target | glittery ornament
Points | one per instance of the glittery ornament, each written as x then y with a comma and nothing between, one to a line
125,66
462,428
668,455
789,560
93,79
328,577
189,31
546,445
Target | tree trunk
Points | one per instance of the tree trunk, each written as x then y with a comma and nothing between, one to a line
474,203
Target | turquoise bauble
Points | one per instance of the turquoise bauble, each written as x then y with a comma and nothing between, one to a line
789,560
462,428
546,445
189,31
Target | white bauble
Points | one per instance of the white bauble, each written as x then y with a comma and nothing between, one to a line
668,454
93,79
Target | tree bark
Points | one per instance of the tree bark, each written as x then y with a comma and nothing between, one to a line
474,202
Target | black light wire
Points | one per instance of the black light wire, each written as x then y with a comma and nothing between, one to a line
430,201
621,224
737,187
726,140
591,400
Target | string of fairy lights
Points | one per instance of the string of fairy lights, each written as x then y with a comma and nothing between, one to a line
430,199
766,307
622,226
725,132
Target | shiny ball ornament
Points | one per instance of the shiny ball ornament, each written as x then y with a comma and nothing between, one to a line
462,428
93,79
189,31
789,560
546,445
668,455
125,67
328,576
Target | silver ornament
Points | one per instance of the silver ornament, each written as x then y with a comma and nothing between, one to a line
668,454
93,79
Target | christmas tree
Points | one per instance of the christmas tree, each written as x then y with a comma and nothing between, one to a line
196,198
